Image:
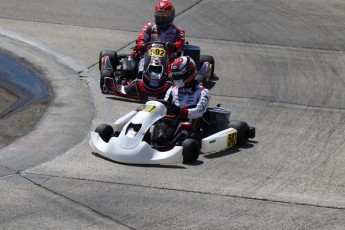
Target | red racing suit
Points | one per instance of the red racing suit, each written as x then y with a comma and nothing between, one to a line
193,101
150,33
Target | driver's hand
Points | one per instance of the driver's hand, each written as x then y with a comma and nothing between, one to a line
138,51
171,47
179,112
134,54
176,111
142,50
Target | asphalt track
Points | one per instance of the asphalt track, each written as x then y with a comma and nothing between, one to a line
279,66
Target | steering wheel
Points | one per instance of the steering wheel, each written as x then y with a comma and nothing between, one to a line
170,106
150,43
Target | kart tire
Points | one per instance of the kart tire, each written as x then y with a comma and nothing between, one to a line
105,132
105,73
191,150
116,134
147,137
242,131
113,58
207,58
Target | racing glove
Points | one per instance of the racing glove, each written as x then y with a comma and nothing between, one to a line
137,52
134,54
171,47
179,112
142,50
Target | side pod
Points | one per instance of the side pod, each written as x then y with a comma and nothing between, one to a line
219,141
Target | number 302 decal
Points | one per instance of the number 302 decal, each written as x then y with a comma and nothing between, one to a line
232,139
150,109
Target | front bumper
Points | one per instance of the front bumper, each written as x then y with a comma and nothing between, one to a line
141,154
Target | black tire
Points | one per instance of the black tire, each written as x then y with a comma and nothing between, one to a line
113,58
147,137
117,133
105,132
242,131
207,58
191,150
105,73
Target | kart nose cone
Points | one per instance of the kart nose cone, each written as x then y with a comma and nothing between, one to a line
140,154
131,136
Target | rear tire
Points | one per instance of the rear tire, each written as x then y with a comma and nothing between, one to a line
207,58
113,59
191,150
105,132
242,131
104,74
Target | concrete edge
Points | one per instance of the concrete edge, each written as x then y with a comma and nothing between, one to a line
68,117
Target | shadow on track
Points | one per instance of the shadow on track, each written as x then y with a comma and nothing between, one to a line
231,151
140,165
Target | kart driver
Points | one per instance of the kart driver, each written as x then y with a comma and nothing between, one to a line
190,97
161,30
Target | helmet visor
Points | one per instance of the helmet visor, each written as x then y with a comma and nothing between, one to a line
179,75
163,18
155,72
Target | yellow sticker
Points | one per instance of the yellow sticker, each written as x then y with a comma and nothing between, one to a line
150,108
232,139
157,52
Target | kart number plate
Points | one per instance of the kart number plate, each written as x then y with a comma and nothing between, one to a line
150,109
232,139
157,52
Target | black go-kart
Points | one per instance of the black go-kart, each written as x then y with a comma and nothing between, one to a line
120,74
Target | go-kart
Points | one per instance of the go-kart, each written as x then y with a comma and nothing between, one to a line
121,75
153,135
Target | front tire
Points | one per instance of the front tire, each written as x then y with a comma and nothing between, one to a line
105,132
191,150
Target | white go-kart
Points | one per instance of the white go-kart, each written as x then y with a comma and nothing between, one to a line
151,135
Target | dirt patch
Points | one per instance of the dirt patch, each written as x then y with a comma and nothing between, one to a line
6,99
19,123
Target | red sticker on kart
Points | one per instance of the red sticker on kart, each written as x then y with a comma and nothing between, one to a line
232,139
150,108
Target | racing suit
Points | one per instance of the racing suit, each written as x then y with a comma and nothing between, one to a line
150,33
192,103
192,100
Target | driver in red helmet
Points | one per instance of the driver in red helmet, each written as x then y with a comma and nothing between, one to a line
162,30
190,97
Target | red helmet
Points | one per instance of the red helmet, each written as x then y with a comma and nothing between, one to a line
183,71
164,14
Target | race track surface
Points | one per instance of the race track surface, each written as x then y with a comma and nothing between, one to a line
280,66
